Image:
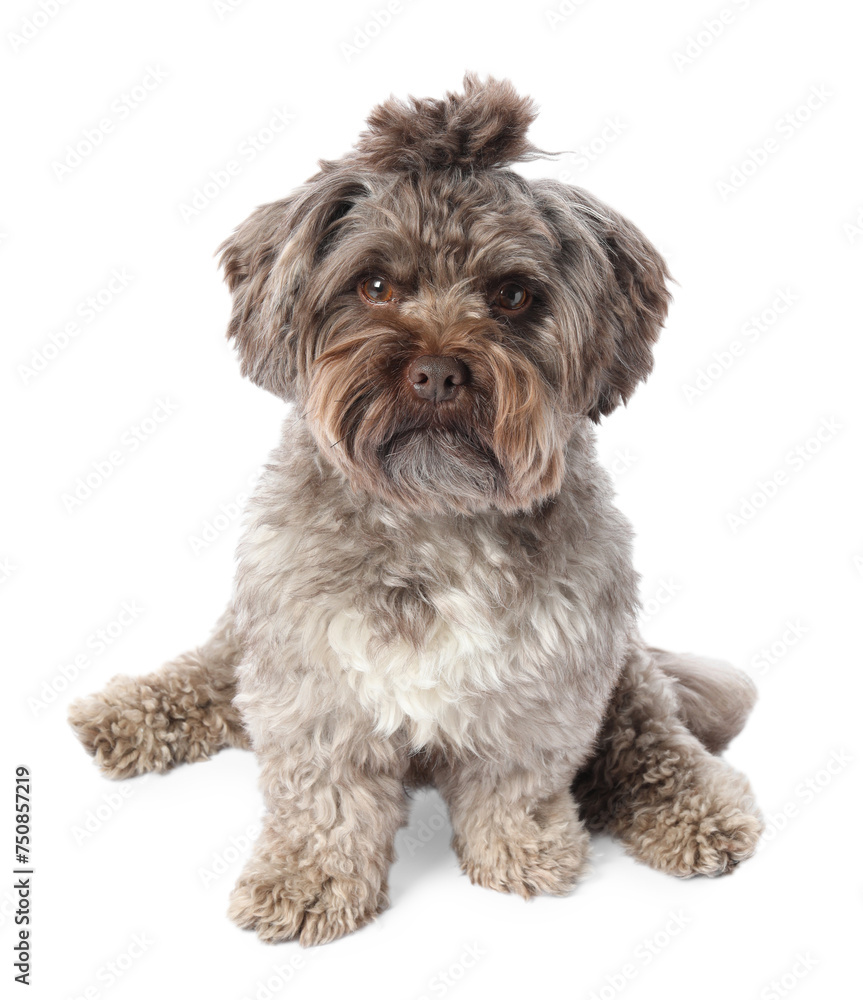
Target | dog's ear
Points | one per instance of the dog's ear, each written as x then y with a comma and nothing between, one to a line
608,263
266,263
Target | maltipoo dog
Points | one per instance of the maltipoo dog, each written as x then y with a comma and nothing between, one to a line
434,585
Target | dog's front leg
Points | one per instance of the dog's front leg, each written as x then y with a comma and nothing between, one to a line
514,830
319,869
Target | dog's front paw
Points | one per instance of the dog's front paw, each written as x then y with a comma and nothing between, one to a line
543,853
526,869
698,833
281,905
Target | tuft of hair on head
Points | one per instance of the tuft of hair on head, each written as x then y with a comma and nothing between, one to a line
483,127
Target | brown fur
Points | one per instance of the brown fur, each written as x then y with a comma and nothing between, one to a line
484,127
180,714
655,785
441,591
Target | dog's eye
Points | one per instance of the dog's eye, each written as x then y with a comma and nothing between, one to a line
512,297
376,290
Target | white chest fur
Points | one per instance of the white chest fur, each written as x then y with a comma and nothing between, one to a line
482,633
429,688
444,628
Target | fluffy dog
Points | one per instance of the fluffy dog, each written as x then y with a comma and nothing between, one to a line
434,584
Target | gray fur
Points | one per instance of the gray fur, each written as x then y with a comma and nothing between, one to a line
441,591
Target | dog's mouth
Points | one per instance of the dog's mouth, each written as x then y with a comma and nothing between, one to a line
433,436
442,459
463,454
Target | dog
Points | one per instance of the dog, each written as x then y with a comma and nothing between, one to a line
433,585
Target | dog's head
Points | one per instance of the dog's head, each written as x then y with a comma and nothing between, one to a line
440,320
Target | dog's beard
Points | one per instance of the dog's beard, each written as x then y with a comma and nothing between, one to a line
499,445
426,463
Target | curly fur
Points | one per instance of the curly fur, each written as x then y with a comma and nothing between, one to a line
441,592
486,126
654,784
180,714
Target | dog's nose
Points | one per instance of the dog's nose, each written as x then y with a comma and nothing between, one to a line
437,377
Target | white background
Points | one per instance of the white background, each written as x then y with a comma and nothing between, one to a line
116,860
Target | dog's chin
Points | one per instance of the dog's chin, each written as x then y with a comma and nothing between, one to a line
438,470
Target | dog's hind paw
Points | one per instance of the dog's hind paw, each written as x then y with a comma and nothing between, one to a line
698,834
153,723
119,736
